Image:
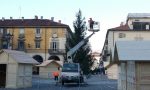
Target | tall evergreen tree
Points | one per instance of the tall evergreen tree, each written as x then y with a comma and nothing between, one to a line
82,55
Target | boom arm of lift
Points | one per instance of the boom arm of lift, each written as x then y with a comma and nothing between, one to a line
75,48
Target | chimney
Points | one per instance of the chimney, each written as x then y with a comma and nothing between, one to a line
36,17
59,21
11,18
3,18
22,18
41,17
52,18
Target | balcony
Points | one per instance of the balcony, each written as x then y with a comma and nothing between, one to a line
37,39
56,51
38,35
21,36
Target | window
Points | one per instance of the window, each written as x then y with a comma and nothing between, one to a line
21,31
8,31
38,32
54,44
147,27
140,25
5,45
21,45
4,31
37,44
122,35
1,30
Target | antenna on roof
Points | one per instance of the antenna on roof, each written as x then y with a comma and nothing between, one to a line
19,12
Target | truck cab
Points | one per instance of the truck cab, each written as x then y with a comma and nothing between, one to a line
71,73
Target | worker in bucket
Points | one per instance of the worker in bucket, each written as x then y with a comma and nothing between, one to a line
91,22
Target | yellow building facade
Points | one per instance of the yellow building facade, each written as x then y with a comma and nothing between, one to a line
42,39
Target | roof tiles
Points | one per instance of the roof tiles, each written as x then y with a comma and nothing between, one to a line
30,23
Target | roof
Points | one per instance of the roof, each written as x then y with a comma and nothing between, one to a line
133,50
20,56
121,27
138,15
30,23
45,63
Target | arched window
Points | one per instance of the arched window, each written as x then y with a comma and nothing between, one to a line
54,58
38,58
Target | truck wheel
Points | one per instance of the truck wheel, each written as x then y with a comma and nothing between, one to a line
82,80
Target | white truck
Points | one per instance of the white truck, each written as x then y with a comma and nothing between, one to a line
71,72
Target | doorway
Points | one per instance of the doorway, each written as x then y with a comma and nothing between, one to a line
39,59
2,75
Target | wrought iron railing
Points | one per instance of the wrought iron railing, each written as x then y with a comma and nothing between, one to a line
56,51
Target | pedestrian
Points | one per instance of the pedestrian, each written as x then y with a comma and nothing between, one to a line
56,75
102,69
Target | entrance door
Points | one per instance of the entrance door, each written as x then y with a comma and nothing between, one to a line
2,75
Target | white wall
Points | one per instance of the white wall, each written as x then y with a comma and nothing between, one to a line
62,43
113,36
24,75
11,77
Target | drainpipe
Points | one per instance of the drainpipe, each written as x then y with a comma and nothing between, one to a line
45,42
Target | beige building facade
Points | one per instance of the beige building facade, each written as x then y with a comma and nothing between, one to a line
42,39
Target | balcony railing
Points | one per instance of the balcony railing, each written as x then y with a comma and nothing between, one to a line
56,51
38,39
21,36
50,51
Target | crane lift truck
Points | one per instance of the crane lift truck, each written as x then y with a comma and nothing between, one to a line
71,72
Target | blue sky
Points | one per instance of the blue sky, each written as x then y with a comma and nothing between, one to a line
108,12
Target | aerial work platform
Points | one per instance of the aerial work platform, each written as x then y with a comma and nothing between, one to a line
93,26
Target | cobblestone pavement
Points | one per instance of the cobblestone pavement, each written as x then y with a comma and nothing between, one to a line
95,82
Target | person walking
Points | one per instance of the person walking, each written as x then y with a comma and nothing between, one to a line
102,69
56,75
